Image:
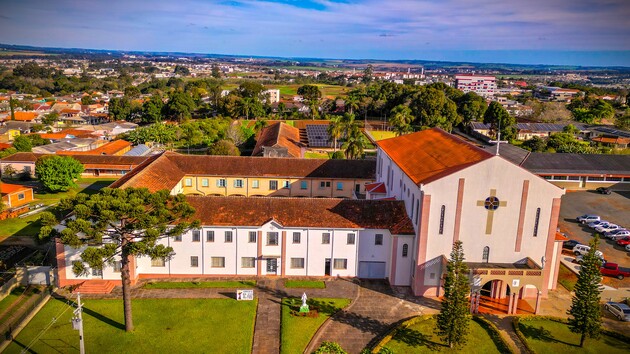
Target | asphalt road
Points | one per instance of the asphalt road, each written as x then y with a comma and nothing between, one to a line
614,208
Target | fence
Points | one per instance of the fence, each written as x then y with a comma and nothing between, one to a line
23,313
9,284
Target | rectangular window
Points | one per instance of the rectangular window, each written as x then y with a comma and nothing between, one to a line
339,186
613,179
536,222
340,263
297,237
442,211
178,238
238,183
597,179
325,238
285,184
574,178
97,272
248,262
158,262
209,236
378,239
273,185
221,183
196,236
194,261
252,237
20,196
272,238
350,239
255,184
228,236
303,185
188,182
297,263
117,267
217,262
323,184
204,182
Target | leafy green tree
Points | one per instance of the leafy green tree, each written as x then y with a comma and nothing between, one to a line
329,348
571,129
497,116
50,118
122,108
585,317
454,316
471,107
86,100
57,173
216,71
181,70
249,106
8,171
132,92
310,92
355,142
250,89
180,106
22,143
335,130
623,121
152,109
224,147
368,74
535,144
351,103
400,118
118,224
434,109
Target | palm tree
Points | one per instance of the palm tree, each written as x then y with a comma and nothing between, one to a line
352,102
355,142
401,119
246,105
335,129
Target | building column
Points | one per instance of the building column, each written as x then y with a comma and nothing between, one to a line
551,238
259,254
493,289
537,302
283,254
514,303
509,309
394,258
503,291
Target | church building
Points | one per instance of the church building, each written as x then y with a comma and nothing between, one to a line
395,218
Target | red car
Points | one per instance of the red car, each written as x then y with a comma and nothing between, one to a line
624,241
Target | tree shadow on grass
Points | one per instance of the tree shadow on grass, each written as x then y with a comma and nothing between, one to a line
541,334
59,345
416,339
98,316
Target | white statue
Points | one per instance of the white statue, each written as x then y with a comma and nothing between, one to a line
304,299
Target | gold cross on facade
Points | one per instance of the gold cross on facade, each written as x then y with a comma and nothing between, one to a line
491,204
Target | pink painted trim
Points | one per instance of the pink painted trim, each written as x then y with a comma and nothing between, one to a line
62,279
521,216
556,264
392,274
259,255
551,237
283,255
458,209
422,246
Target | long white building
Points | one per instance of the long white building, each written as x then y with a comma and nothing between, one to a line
480,84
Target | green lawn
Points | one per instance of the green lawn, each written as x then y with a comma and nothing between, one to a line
297,331
161,326
312,284
381,134
419,337
327,90
566,277
9,300
201,284
316,155
546,336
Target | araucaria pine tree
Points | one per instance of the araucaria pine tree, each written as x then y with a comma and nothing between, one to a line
585,317
454,317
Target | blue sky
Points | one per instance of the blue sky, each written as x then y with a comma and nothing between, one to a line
587,32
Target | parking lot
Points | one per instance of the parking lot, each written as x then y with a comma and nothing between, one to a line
614,208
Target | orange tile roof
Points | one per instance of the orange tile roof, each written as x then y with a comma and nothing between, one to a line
608,140
4,146
431,154
303,212
6,188
25,116
377,187
561,237
110,148
279,135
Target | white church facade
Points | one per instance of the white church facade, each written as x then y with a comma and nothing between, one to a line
433,189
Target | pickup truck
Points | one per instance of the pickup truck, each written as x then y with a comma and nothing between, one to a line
614,270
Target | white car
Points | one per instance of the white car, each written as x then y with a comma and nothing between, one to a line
580,250
607,228
617,234
597,223
628,248
586,218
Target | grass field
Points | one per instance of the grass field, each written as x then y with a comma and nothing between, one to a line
330,91
546,336
381,134
316,155
312,284
296,331
201,284
161,326
31,53
566,277
420,338
13,298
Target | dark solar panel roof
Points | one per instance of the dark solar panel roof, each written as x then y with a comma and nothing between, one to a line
512,153
534,127
549,163
318,135
613,131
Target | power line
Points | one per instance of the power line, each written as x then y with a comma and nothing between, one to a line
43,331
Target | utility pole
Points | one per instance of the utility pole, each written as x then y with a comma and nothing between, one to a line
77,323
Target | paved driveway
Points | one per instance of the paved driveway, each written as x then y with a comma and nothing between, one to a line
614,208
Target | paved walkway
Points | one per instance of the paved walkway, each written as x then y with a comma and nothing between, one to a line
374,311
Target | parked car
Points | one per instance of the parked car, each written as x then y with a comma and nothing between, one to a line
614,270
624,241
580,250
628,248
619,310
603,190
597,223
580,258
570,244
607,228
617,234
586,218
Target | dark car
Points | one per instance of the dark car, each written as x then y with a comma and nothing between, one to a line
570,244
603,190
